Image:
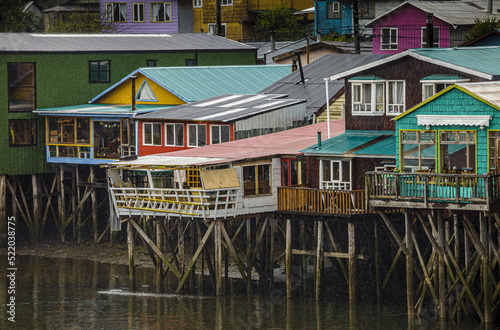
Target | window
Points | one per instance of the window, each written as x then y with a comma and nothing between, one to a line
256,180
145,93
212,28
174,135
226,2
395,97
22,87
138,13
457,151
151,134
418,150
389,40
366,9
127,137
107,139
219,134
68,130
99,72
292,172
336,174
435,83
368,98
151,63
197,3
116,12
494,150
161,12
197,135
22,132
435,37
333,10
191,62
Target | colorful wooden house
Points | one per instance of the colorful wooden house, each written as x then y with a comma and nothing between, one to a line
336,17
148,16
404,27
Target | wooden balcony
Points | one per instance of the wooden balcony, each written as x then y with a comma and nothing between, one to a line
433,191
321,201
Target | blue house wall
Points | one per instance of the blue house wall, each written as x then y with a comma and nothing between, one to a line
341,25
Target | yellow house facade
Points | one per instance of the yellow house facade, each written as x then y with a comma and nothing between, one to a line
238,16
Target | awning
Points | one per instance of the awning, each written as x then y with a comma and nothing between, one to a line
437,120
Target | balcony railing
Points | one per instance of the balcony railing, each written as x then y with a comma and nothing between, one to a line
207,204
321,201
429,190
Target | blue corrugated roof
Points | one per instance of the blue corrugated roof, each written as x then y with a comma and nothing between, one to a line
194,83
100,109
349,142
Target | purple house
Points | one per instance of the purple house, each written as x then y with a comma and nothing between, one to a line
147,16
404,27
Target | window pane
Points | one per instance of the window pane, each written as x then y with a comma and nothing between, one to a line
346,171
326,170
157,134
22,132
148,139
284,172
335,171
179,133
215,134
225,133
264,183
192,135
249,187
170,134
202,135
21,80
294,173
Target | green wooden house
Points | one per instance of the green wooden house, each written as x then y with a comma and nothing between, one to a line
454,131
51,70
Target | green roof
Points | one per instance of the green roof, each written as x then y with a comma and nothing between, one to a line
453,77
195,83
367,77
357,143
100,110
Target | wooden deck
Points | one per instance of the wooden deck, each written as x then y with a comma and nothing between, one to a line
322,201
433,191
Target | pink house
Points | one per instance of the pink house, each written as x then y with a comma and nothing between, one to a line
404,27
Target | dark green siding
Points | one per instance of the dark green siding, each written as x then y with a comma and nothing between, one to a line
63,79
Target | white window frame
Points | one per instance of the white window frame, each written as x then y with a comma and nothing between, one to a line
359,105
152,134
391,45
219,128
226,2
197,126
434,83
176,143
138,10
395,108
211,28
110,10
197,3
168,12
334,12
339,184
435,43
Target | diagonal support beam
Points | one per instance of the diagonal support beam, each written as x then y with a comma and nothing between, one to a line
230,246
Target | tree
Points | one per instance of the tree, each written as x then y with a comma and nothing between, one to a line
281,21
85,21
481,28
12,16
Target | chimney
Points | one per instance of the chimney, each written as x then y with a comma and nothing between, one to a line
302,80
319,139
133,78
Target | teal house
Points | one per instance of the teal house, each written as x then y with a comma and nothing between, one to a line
455,131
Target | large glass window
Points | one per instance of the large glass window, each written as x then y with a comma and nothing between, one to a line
368,98
395,97
457,151
99,71
197,135
292,172
68,130
138,12
22,132
116,12
22,87
219,134
106,139
389,38
256,180
333,10
161,12
127,137
174,135
418,151
336,174
151,134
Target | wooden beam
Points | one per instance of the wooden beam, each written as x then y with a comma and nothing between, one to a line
410,298
230,246
319,259
288,258
352,261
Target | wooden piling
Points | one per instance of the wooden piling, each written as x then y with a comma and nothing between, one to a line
352,261
288,258
441,266
37,208
94,205
159,264
130,245
249,254
272,228
485,267
218,258
62,203
377,260
180,244
303,269
409,267
319,260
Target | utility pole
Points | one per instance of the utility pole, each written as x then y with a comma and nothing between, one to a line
429,27
355,21
218,24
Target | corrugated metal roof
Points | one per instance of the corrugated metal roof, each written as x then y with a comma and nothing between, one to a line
385,147
82,42
479,61
100,109
354,143
315,73
488,91
288,142
451,12
224,108
452,77
194,83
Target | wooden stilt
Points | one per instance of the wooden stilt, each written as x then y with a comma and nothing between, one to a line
130,245
202,268
441,267
352,262
272,229
62,203
218,258
192,249
304,257
159,264
73,203
79,216
377,260
37,209
94,205
456,250
288,258
319,259
180,244
485,268
409,267
249,254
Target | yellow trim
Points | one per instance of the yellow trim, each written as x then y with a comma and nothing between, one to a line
401,154
144,12
151,12
441,93
488,146
458,130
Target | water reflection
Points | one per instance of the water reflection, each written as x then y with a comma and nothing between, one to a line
65,293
